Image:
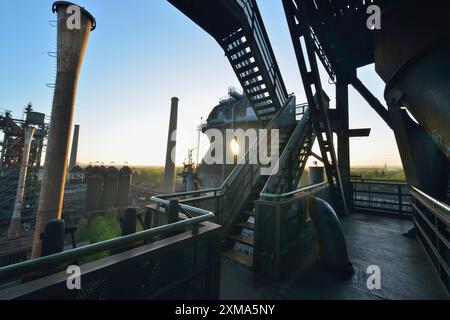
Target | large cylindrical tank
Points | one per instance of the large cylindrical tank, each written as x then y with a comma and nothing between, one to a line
123,195
110,186
94,181
316,175
412,55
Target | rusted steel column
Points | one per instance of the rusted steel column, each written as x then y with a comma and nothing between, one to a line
73,34
16,220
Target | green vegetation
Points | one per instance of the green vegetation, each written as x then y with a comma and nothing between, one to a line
152,176
379,173
98,228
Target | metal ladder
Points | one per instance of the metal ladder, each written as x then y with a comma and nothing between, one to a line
300,30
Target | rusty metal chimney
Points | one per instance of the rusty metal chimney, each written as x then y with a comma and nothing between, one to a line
16,220
74,151
74,27
169,171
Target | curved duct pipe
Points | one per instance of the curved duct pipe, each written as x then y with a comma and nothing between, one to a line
332,247
412,56
74,27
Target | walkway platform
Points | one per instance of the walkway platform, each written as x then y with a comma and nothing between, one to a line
406,272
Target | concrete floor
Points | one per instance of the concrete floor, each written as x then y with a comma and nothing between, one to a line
406,272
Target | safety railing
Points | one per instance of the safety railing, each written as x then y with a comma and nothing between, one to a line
383,196
286,172
14,273
283,231
432,221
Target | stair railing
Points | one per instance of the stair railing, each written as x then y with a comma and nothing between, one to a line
289,159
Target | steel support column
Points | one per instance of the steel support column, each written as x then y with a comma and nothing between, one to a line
299,28
343,149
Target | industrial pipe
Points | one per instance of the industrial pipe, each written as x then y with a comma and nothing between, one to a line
332,247
72,40
16,219
169,170
414,61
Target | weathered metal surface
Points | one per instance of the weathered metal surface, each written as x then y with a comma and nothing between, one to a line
414,60
330,238
70,52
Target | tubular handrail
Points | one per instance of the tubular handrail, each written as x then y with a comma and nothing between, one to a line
188,193
185,207
438,208
71,255
293,140
269,127
309,189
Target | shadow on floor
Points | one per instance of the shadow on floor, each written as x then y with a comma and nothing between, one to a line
406,272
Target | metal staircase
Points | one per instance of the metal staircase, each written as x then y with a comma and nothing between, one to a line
298,26
293,160
296,147
238,28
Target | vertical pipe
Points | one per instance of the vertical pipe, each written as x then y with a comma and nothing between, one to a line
169,171
74,151
16,219
343,148
72,42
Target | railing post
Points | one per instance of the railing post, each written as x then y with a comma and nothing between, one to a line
400,200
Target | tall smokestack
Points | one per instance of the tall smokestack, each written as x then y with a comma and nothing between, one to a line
74,151
169,171
16,220
74,27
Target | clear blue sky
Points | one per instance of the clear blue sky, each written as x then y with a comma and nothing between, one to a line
142,53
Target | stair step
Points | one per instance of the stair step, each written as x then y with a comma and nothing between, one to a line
249,213
246,225
242,58
240,257
237,49
250,76
233,38
246,67
242,239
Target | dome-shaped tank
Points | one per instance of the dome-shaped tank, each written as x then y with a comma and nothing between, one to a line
94,181
110,187
123,197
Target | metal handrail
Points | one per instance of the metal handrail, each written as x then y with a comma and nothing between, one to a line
270,126
66,256
297,134
438,208
293,193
